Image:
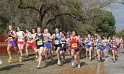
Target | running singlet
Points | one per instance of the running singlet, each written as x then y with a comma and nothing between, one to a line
74,43
20,36
99,43
113,43
40,40
89,41
11,39
28,38
63,43
57,39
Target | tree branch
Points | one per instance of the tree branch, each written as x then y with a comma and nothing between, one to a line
27,6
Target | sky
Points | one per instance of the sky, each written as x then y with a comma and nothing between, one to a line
118,12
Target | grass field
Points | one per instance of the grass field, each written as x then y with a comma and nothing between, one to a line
28,66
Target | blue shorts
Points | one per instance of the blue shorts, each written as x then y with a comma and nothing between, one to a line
104,47
99,48
88,46
81,45
48,45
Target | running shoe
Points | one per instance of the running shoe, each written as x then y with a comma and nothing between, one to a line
38,67
98,60
90,58
79,66
26,56
20,59
72,64
59,63
10,59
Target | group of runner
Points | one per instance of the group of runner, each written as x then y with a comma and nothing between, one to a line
77,46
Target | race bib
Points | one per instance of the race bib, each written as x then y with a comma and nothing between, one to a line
114,45
20,39
56,42
10,39
74,45
62,45
40,42
89,43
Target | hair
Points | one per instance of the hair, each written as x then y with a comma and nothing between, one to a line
12,26
27,29
75,32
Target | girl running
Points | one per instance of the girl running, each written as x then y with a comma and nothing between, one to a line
11,42
40,45
99,48
114,48
20,42
63,49
57,44
47,44
89,46
75,48
29,42
33,41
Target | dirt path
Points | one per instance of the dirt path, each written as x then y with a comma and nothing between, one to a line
28,66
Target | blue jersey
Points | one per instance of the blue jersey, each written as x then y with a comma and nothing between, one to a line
57,39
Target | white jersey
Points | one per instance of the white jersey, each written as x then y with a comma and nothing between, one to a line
105,42
20,36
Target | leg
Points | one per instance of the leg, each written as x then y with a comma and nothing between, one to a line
98,52
72,55
40,56
113,54
58,55
27,45
78,58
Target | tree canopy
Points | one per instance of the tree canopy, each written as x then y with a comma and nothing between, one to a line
85,16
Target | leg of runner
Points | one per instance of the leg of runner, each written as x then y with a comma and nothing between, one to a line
20,47
58,55
46,53
72,55
9,52
40,51
78,58
98,52
90,53
113,55
26,50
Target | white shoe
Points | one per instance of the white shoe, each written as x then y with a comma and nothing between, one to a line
79,66
72,64
59,63
90,58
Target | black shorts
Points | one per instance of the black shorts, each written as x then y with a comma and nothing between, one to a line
76,50
56,46
63,49
38,46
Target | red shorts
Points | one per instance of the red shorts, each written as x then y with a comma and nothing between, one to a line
29,43
20,42
34,45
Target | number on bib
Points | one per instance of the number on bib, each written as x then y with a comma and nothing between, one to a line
39,42
56,42
20,39
74,45
10,39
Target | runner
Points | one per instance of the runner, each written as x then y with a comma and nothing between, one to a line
99,48
114,48
21,42
57,43
81,46
104,47
47,44
11,42
40,45
33,41
29,42
68,40
63,49
75,48
89,46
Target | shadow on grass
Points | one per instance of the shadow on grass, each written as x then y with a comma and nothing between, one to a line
10,67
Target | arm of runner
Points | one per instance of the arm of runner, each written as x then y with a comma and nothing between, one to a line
23,33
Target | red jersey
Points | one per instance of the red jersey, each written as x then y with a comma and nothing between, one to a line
74,43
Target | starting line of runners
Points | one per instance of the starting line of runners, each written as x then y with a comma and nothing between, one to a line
76,45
